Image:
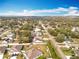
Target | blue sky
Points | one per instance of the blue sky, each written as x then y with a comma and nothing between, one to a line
39,7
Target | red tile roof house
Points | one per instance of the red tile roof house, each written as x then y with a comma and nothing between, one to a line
33,53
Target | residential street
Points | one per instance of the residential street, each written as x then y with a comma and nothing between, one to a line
14,44
53,42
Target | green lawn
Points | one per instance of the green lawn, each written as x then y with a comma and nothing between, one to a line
41,57
20,56
52,51
6,55
67,51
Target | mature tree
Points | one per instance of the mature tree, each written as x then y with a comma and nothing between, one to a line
74,34
52,32
60,38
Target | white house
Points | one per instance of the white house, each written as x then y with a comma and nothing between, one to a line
75,29
13,57
1,55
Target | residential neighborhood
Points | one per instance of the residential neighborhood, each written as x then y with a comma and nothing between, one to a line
39,29
32,38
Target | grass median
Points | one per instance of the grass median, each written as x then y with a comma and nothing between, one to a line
52,51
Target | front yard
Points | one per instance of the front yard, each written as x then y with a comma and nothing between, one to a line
67,51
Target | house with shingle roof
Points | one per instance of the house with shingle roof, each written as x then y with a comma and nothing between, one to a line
33,53
16,49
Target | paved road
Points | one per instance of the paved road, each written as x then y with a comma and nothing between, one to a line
21,44
14,44
70,44
53,42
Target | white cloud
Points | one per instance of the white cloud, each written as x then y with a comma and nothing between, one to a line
72,11
68,11
49,10
73,7
12,13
